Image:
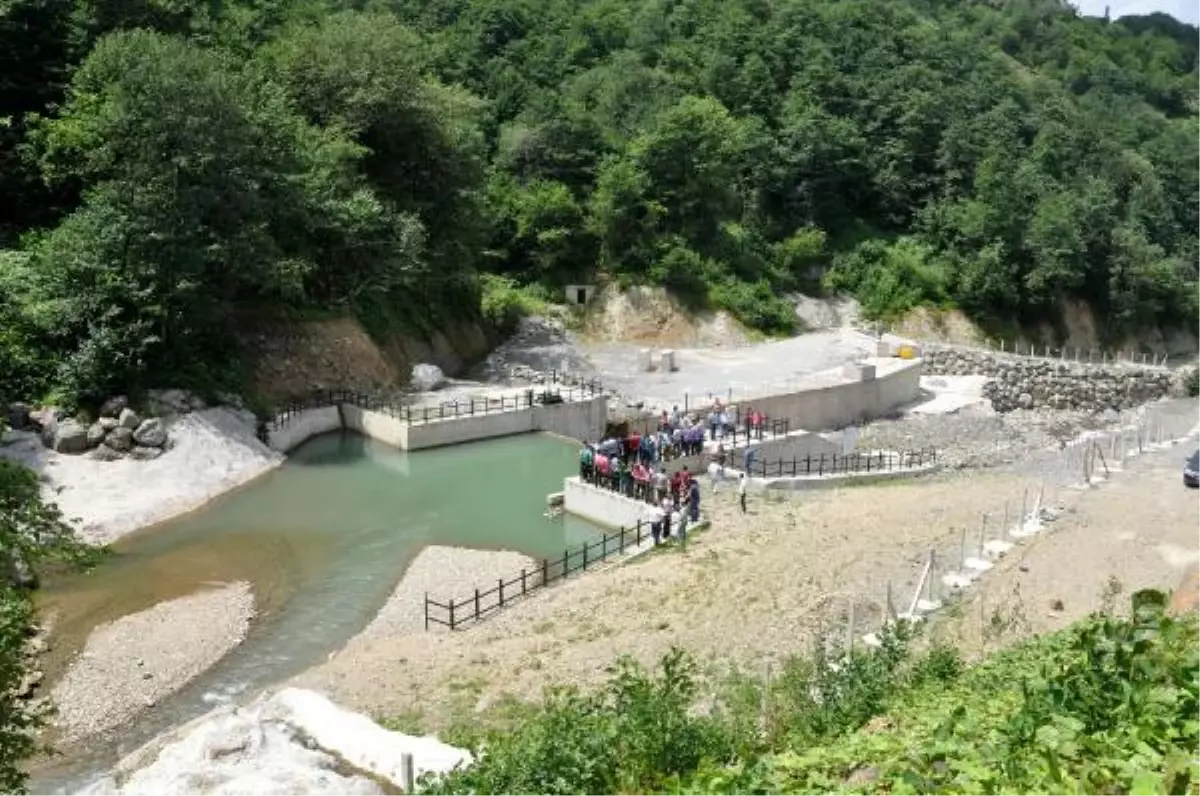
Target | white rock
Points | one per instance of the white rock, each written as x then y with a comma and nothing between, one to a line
264,748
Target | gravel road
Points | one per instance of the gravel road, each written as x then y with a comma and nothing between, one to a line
130,664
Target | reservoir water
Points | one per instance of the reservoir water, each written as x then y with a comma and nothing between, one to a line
324,539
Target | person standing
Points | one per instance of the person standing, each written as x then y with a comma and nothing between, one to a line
742,492
667,510
694,501
661,484
654,516
682,524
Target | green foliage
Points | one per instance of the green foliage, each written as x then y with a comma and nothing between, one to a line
34,533
1106,706
503,303
175,166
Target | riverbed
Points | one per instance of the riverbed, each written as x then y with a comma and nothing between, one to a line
323,540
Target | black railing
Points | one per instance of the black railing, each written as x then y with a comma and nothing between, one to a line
734,434
398,408
454,613
842,464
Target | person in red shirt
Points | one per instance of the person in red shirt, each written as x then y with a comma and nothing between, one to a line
632,444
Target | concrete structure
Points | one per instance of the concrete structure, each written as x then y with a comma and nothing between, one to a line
837,399
645,360
667,358
583,419
601,506
302,426
579,294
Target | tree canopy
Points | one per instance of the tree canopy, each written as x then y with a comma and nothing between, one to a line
172,166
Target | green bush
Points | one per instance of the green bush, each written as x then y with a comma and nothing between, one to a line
1191,382
503,303
889,279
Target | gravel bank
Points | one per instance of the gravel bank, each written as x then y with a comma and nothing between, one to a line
214,451
131,663
442,573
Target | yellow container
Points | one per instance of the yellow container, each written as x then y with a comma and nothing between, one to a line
906,352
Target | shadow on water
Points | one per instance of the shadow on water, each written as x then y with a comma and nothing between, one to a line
324,540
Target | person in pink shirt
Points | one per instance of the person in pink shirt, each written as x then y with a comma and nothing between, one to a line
641,481
602,469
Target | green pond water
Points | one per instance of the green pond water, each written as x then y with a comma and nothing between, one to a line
324,539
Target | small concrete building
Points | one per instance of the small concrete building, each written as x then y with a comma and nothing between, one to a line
580,294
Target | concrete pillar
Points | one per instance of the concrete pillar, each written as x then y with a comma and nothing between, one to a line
668,361
883,349
645,360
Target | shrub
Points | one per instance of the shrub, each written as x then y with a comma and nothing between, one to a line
503,303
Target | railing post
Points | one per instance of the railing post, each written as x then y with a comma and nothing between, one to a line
501,592
426,612
566,562
621,543
793,466
585,556
477,605
453,621
545,571
637,542
523,587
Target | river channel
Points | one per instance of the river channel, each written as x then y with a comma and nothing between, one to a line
324,539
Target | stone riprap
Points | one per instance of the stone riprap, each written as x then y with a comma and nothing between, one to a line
1029,383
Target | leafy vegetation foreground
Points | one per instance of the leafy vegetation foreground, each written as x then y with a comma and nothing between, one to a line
1108,705
172,167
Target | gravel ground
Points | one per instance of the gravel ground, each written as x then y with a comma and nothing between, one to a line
754,586
212,451
131,663
429,573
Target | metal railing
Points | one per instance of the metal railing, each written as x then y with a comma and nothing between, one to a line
843,464
454,613
399,408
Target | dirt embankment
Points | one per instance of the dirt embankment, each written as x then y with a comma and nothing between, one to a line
295,358
650,315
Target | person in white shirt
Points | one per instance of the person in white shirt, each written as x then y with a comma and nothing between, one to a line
742,480
716,474
668,508
654,515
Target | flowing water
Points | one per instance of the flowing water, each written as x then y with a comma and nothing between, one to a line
324,539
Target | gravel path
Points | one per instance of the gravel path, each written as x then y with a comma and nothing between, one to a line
213,451
131,663
442,573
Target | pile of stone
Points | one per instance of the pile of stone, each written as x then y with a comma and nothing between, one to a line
1026,383
119,431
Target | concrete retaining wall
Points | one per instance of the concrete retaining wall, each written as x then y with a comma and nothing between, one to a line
376,425
601,506
577,419
844,400
796,444
308,423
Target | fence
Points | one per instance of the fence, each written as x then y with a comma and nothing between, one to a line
844,464
455,613
736,434
1064,354
958,559
413,415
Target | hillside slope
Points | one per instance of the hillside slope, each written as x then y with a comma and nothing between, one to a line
179,164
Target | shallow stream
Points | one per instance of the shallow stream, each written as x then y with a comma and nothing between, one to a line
324,539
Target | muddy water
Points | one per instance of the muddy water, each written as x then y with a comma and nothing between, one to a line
324,539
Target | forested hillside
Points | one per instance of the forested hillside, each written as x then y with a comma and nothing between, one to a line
169,168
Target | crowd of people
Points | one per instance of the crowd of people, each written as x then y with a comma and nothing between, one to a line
633,465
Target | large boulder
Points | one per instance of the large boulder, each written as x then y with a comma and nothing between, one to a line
151,433
143,452
18,415
119,439
96,433
128,419
70,436
114,406
427,377
106,454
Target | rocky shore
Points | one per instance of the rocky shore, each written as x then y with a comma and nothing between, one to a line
211,451
130,664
